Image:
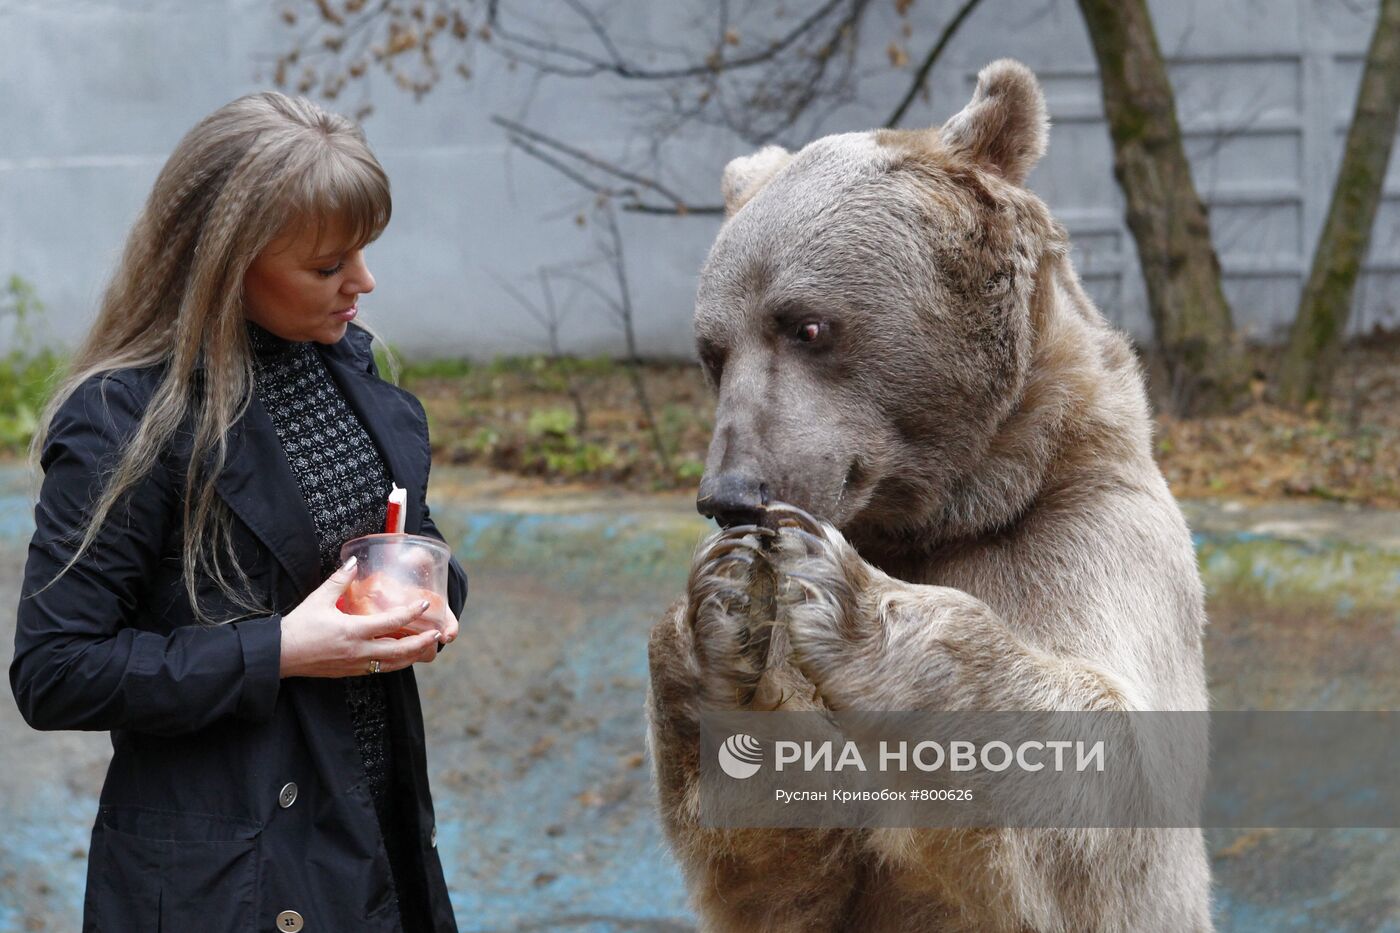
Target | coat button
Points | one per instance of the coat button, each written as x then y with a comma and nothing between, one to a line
432,837
286,798
289,921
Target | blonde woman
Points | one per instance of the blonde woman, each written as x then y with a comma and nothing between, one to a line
223,431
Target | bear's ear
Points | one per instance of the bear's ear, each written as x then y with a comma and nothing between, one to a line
1004,126
744,176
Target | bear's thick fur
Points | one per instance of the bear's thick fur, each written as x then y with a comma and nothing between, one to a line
901,346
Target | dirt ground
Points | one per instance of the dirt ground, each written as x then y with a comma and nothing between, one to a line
535,722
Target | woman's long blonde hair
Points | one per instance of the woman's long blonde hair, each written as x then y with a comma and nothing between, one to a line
242,176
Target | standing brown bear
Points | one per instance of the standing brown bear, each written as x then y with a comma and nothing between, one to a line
901,346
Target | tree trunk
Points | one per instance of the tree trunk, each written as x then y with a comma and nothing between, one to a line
1315,342
1192,319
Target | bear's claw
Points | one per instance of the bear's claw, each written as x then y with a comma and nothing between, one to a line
783,514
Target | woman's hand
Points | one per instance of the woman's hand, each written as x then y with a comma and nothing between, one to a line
318,640
437,617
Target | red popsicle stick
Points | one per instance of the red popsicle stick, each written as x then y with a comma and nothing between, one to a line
396,514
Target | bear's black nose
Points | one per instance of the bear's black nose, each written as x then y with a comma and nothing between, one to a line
732,499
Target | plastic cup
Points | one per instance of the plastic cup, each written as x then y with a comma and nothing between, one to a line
396,570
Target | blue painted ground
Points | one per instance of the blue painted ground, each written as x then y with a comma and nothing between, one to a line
536,727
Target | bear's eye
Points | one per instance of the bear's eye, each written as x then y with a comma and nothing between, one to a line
712,358
811,331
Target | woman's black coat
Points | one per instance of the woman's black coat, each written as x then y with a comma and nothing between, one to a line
234,800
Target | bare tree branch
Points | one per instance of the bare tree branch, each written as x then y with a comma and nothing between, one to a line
615,64
551,318
916,87
519,129
549,150
756,85
617,257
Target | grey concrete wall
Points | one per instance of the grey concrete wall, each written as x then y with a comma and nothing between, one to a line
97,92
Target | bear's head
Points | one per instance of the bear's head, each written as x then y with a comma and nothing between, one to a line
866,314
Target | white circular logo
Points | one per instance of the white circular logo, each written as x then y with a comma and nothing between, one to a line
740,756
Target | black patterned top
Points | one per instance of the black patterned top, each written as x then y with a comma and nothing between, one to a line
340,471
344,481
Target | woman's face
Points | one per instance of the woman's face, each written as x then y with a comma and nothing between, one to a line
305,287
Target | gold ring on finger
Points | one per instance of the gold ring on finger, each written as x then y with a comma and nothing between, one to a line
374,667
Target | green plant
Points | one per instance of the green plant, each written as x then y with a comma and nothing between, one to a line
27,376
554,445
483,441
19,299
550,422
582,460
690,469
439,369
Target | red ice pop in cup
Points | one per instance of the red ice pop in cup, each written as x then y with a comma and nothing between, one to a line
394,570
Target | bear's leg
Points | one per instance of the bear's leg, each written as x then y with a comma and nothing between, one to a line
740,879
